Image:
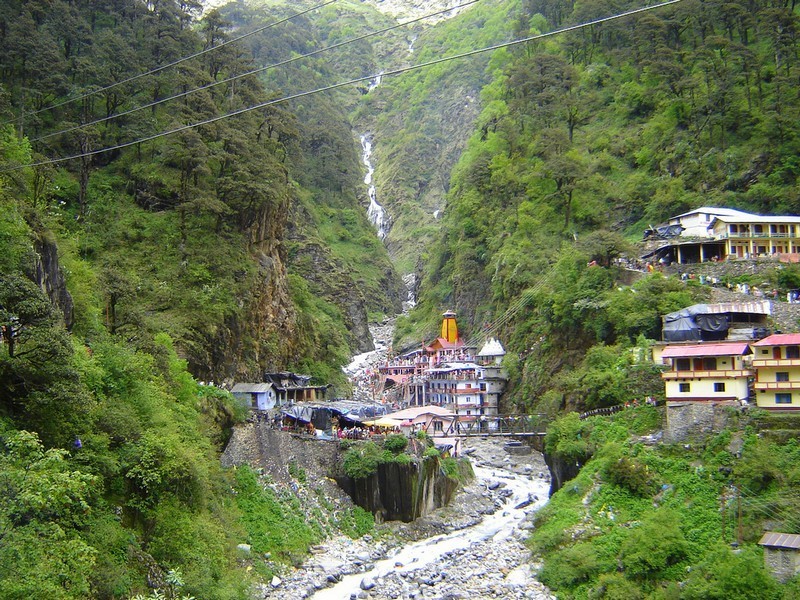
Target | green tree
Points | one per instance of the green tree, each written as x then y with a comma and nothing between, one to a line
44,505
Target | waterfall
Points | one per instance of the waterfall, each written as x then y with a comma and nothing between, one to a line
375,213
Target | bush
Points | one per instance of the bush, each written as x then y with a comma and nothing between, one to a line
613,586
569,566
653,546
728,575
356,522
395,443
362,461
629,473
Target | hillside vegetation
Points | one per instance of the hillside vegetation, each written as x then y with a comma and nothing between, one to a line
665,522
583,140
127,276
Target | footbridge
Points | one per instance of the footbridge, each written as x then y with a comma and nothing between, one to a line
517,425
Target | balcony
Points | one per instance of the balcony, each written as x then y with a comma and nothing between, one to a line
777,385
775,362
728,374
746,235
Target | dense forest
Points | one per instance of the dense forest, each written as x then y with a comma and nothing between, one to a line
134,266
147,265
586,138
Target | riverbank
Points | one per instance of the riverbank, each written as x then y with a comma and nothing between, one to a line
472,548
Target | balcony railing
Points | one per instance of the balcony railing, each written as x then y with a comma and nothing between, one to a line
775,362
731,373
777,385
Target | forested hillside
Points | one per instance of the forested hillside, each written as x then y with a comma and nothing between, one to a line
135,264
586,138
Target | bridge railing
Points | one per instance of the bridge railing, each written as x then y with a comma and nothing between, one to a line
507,425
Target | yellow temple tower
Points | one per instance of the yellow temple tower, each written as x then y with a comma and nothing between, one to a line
449,327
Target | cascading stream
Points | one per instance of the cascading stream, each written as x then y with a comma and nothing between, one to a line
375,213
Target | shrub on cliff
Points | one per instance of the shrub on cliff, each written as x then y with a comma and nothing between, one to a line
395,443
362,461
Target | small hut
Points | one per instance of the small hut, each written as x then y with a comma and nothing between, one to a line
781,554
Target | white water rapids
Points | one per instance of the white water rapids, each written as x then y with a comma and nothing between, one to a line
495,527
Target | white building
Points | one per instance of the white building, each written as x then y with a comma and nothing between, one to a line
695,223
260,396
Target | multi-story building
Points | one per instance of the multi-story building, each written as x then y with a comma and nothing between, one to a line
447,373
777,364
757,235
695,223
707,372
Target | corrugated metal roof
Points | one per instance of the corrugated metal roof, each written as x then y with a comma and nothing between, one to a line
713,210
726,349
780,339
780,540
251,388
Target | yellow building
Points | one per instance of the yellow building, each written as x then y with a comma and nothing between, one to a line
777,364
757,235
714,372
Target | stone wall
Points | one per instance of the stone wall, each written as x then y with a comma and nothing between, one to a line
782,563
694,421
262,447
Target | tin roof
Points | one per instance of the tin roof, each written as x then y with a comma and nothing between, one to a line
714,210
251,388
780,540
724,349
780,339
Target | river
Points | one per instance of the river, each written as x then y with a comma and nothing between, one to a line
486,559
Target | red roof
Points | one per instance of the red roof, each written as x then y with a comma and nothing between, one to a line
725,349
780,339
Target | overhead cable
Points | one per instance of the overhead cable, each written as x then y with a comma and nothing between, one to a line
248,73
345,83
176,62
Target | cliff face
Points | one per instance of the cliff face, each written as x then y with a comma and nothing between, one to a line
47,273
401,492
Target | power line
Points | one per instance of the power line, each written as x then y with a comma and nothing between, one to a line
342,84
174,63
253,72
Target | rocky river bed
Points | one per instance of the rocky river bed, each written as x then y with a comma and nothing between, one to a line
472,548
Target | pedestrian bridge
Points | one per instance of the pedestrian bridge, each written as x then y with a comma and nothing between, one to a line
494,426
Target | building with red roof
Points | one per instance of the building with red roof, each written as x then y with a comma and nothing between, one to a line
777,362
714,372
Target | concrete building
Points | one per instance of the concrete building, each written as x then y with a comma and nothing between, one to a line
695,223
757,235
714,372
260,396
781,554
776,360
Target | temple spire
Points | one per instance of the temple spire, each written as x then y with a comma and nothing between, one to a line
449,327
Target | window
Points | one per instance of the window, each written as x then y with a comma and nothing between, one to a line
682,364
782,376
719,387
792,351
710,363
783,398
684,387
